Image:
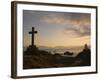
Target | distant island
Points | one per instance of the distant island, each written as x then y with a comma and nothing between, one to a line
35,58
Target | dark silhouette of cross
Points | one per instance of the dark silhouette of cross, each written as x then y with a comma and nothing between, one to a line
32,32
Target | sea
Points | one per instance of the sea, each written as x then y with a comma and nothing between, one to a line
61,50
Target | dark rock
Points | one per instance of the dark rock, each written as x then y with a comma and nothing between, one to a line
68,53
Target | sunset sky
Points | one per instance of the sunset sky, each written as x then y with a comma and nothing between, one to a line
57,28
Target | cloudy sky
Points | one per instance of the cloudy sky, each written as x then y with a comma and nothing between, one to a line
57,28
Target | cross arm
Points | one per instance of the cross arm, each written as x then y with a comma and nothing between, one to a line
33,32
30,32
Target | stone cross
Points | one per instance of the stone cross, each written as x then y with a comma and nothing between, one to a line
32,32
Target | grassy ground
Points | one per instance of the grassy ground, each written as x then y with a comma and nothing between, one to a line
34,58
